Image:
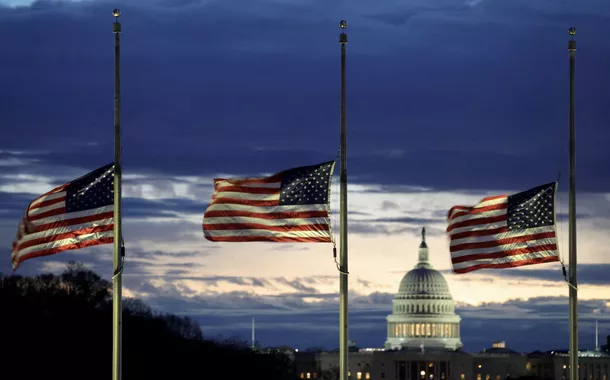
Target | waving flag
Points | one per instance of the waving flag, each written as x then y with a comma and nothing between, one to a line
504,231
75,215
290,206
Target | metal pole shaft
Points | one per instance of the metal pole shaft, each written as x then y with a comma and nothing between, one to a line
343,336
596,336
572,227
117,308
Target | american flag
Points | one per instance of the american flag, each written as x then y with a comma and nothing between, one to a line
504,231
75,215
290,206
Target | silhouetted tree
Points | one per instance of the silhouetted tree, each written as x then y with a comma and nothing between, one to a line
137,307
60,327
183,326
85,285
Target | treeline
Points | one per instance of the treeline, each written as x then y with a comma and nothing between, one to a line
60,327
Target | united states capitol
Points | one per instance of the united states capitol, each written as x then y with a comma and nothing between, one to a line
424,343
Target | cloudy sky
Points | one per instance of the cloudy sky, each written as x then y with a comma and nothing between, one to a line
448,101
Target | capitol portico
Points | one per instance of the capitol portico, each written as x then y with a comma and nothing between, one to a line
423,312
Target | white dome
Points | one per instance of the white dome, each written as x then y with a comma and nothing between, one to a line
423,309
423,283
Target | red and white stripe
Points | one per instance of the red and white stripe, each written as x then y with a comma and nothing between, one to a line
47,228
480,238
249,209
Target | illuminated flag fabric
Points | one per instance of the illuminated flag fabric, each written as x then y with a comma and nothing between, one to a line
504,231
290,206
75,215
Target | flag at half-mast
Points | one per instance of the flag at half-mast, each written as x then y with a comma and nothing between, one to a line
289,206
75,215
504,231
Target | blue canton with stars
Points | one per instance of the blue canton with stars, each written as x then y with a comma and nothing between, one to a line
92,190
532,208
306,185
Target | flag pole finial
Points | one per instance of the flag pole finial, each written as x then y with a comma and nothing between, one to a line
116,27
343,35
572,42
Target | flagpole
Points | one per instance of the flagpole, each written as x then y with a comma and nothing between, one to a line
343,272
117,277
572,225
253,337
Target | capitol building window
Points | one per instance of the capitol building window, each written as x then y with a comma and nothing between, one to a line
433,330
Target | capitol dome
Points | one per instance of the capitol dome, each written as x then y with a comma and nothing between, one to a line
423,282
423,314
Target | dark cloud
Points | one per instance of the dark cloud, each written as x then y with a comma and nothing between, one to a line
476,280
216,280
351,212
588,274
299,286
407,220
139,235
372,229
388,226
13,205
144,267
98,259
286,319
289,318
396,189
365,283
303,286
290,247
176,272
208,87
138,267
158,254
176,207
387,205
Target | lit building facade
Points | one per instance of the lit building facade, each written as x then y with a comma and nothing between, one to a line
592,365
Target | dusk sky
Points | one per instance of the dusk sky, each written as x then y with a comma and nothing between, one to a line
448,101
